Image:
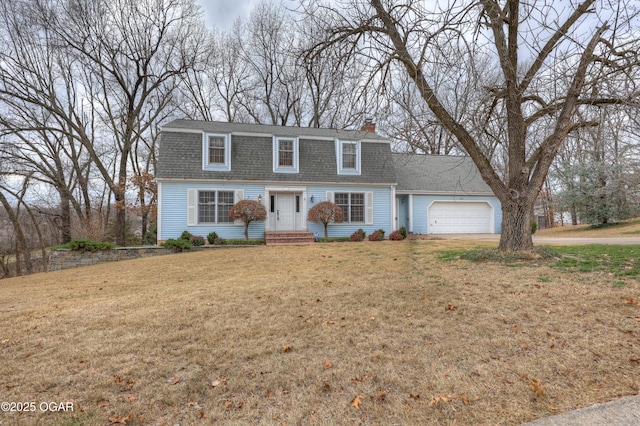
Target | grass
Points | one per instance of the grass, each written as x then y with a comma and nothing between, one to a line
370,333
619,229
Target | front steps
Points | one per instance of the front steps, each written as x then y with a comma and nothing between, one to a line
288,237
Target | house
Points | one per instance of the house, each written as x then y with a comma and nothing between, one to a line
206,167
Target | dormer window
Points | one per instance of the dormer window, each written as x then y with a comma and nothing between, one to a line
216,152
348,157
285,155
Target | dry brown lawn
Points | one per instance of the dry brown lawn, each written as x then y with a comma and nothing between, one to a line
342,333
629,228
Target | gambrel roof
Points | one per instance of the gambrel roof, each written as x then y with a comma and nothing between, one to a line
180,153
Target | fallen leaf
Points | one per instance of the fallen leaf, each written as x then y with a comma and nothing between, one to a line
286,348
451,307
227,404
425,298
239,405
535,384
192,404
438,399
328,364
375,355
216,383
120,420
416,396
631,301
356,402
269,394
201,415
174,380
381,395
103,403
131,398
327,386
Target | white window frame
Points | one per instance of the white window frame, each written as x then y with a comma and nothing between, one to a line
277,168
218,167
368,205
339,156
193,205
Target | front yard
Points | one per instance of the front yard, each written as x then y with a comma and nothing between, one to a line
345,333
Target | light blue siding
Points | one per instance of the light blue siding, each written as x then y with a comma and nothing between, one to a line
421,204
382,216
173,211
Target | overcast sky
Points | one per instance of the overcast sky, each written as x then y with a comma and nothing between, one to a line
222,13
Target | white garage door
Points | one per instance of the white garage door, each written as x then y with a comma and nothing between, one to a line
446,217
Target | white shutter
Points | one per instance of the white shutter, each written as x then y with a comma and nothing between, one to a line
239,196
330,196
192,207
368,200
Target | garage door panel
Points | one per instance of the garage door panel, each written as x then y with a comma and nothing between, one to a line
460,217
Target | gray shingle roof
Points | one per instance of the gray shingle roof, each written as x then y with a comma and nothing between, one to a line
180,154
438,173
223,127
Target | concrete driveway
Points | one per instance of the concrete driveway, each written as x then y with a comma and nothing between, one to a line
547,240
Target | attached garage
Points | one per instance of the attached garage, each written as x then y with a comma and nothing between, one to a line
460,217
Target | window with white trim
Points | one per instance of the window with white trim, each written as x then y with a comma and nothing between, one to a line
214,206
348,157
352,204
216,152
285,155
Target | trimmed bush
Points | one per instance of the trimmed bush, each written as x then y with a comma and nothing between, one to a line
196,240
358,235
403,232
212,237
178,245
186,235
534,227
150,237
377,235
396,236
83,244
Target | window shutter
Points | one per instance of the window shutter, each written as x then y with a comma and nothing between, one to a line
239,196
330,196
368,220
192,207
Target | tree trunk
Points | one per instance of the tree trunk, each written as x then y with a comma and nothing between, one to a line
246,230
516,227
65,215
326,233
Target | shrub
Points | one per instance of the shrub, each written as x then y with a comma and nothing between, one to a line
186,235
377,235
150,237
212,237
396,236
358,235
534,227
178,245
248,211
196,240
218,241
83,244
325,212
403,232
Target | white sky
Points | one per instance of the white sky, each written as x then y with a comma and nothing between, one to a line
222,13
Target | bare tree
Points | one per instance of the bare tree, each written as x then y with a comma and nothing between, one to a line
593,43
133,53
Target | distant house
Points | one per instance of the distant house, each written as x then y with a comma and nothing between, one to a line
206,167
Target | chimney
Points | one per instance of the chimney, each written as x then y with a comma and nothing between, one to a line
369,125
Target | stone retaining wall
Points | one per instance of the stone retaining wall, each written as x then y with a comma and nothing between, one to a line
65,259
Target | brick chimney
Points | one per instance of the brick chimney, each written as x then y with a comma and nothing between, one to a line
369,125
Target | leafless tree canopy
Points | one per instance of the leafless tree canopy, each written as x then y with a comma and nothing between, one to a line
549,65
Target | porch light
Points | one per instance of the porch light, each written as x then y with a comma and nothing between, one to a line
260,198
312,198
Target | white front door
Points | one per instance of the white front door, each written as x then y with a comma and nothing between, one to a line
285,212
